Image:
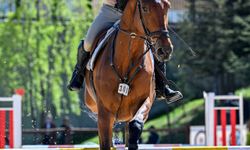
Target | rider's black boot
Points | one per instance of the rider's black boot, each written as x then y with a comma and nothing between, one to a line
171,95
76,81
162,90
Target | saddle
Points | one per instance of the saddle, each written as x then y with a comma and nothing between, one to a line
100,43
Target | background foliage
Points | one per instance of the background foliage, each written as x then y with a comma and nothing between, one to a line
219,33
38,42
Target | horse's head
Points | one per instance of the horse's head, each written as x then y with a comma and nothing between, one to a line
151,19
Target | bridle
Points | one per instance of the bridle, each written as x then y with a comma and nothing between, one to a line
146,30
148,34
149,43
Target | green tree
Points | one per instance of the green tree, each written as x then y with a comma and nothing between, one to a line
208,30
38,42
237,35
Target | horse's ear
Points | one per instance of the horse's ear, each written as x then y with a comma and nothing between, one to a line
167,3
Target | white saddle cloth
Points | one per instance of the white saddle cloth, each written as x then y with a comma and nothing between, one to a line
92,60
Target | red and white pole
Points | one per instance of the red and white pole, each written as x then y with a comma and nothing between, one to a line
211,115
15,121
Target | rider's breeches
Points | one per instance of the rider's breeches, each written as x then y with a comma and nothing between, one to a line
107,16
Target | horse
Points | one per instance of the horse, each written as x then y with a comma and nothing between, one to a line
121,88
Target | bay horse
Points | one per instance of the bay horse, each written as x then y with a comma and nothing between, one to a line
122,88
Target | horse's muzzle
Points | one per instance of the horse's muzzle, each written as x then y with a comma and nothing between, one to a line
163,48
164,53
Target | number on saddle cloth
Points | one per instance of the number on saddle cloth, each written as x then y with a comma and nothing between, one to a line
97,50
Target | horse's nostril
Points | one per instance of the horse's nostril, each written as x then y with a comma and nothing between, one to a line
160,51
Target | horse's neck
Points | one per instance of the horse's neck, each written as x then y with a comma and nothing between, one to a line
129,20
128,50
128,15
128,47
127,53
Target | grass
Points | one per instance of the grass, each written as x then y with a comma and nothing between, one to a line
245,92
94,140
161,122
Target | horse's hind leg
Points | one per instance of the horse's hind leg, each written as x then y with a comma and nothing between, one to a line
105,126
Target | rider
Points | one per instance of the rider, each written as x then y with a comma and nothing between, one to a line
110,12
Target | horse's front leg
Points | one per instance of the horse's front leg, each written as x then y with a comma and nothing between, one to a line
136,125
105,126
135,130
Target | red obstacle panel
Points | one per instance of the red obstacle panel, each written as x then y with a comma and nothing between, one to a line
11,128
215,127
2,128
233,127
223,126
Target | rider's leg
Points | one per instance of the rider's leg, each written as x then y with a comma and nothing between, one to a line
162,89
78,74
107,16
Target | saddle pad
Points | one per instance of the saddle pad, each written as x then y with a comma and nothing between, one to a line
91,63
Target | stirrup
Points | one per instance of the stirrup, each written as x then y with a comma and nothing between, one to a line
176,97
170,99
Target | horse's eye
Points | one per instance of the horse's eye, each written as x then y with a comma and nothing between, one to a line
145,9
